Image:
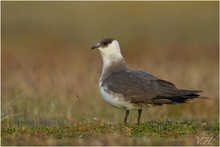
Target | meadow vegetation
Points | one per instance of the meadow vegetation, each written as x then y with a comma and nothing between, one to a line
49,90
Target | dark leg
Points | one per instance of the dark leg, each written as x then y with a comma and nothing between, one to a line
126,116
139,115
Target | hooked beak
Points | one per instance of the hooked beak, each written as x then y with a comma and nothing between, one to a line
95,46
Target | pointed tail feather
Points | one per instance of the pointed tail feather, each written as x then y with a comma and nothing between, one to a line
185,97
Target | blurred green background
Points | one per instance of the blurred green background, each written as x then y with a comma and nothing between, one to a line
50,75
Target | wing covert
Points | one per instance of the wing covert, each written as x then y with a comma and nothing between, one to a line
135,86
138,86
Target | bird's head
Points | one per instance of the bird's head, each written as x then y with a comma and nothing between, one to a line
107,47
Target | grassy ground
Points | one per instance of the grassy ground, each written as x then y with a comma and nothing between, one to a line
50,95
102,133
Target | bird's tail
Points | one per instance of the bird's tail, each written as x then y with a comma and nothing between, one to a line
185,96
182,96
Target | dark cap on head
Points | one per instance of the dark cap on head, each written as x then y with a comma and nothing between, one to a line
103,43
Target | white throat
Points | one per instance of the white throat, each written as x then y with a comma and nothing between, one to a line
110,60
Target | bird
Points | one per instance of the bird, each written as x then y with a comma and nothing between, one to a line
129,89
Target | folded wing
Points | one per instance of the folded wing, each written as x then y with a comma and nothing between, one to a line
139,86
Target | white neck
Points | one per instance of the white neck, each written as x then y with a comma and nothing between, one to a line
113,61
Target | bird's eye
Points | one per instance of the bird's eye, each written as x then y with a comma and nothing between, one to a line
105,43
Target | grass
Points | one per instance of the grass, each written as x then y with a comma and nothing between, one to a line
49,91
99,133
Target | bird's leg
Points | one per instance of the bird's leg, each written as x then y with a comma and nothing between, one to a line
139,116
126,116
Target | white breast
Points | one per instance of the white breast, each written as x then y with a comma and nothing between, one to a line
116,100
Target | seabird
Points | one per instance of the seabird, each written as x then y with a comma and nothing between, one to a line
134,89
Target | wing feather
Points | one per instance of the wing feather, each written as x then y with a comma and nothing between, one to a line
138,86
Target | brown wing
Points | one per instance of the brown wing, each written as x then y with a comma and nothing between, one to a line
139,86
